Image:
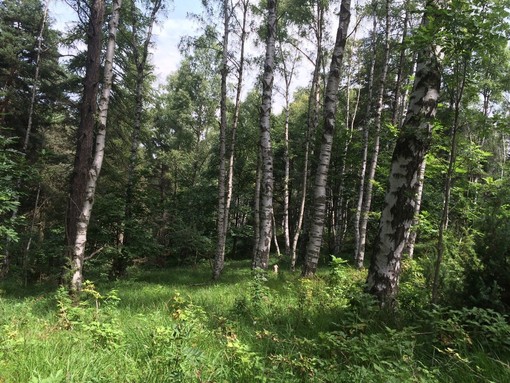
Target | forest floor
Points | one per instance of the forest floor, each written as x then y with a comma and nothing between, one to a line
175,325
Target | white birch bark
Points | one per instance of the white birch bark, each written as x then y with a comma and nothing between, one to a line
95,169
266,198
411,147
312,125
219,259
330,106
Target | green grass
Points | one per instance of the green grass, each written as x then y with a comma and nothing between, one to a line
175,325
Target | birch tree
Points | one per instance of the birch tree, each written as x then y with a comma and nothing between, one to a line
330,107
85,133
93,172
261,259
318,12
412,145
222,219
243,35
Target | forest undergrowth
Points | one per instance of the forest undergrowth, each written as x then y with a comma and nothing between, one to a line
175,325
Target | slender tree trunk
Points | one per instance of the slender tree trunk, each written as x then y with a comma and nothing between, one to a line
93,173
443,225
287,76
367,198
88,112
330,106
266,200
219,259
286,190
364,158
235,122
5,265
408,155
312,125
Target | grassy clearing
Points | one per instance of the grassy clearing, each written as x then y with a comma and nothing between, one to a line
176,326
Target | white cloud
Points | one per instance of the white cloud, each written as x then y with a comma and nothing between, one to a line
165,51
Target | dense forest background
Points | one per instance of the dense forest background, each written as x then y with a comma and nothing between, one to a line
169,148
358,231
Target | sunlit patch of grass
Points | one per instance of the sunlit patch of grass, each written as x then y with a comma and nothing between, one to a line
176,325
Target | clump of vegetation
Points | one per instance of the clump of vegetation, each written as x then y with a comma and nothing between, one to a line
278,329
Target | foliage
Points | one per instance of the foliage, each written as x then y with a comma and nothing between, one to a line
10,171
171,326
92,314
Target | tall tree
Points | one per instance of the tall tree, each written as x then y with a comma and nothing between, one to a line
243,34
408,155
288,69
330,107
317,10
261,259
222,219
88,114
95,168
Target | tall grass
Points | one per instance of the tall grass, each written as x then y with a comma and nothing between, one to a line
176,325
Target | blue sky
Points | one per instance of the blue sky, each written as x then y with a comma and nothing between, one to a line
167,34
171,28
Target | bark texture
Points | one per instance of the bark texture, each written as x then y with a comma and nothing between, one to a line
95,168
411,147
88,112
312,125
266,197
330,107
219,259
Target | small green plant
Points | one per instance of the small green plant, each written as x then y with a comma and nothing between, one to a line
93,314
256,301
174,350
57,377
246,364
